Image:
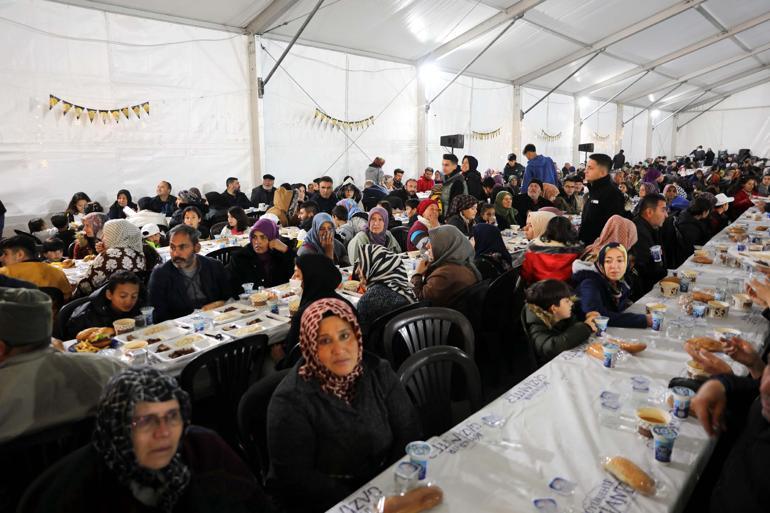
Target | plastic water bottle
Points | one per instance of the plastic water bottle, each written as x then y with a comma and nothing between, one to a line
198,322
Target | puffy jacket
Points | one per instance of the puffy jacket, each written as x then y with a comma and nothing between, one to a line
97,312
595,295
550,337
549,260
542,168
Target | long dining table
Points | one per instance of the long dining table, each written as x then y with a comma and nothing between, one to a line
558,427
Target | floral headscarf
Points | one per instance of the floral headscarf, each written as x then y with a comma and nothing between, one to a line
112,434
96,221
342,387
460,203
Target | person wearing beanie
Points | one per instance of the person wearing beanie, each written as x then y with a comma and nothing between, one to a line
265,262
264,193
72,382
530,200
427,218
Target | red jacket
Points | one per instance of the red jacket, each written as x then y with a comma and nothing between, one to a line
424,184
741,204
543,262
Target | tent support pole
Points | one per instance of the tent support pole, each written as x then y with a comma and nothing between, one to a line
549,93
650,106
614,96
256,122
700,114
677,111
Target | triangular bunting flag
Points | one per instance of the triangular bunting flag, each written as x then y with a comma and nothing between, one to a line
52,101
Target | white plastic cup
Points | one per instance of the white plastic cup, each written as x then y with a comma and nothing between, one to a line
418,453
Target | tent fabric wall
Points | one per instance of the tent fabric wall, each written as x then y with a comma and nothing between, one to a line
661,135
197,134
552,116
599,129
634,135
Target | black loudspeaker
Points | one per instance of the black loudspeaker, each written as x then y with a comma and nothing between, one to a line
586,147
743,154
453,141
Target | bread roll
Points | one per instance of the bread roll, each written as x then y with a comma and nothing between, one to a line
596,350
211,306
701,296
700,259
633,347
414,501
629,473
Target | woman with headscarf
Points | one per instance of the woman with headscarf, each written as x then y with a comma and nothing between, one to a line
122,252
265,262
320,239
537,222
86,241
285,203
340,416
145,456
123,200
449,269
427,218
188,198
504,211
550,256
376,233
462,213
654,176
645,188
676,198
603,289
469,169
383,274
492,257
618,229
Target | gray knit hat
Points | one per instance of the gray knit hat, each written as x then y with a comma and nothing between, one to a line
25,317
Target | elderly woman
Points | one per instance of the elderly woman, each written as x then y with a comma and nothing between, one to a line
462,213
383,274
122,251
338,418
123,200
676,198
492,257
450,269
427,218
504,211
551,255
86,241
265,262
603,289
376,233
536,224
145,456
320,239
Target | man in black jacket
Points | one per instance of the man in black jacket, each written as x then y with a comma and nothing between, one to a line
529,201
649,264
164,203
188,281
618,160
603,200
454,181
325,195
264,193
692,229
472,176
512,168
232,195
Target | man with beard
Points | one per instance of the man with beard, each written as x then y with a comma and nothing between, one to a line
188,281
530,201
232,195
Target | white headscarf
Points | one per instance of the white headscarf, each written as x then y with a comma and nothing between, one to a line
119,233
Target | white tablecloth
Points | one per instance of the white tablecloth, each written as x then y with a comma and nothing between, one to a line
558,428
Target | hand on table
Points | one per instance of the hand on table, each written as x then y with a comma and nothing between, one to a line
709,361
591,320
759,291
743,352
709,406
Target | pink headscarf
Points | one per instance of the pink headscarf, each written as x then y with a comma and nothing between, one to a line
618,229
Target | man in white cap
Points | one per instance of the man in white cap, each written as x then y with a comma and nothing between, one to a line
718,219
40,386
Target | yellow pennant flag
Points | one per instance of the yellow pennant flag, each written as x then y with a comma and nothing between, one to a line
78,111
91,114
137,110
116,115
146,107
125,111
105,115
66,106
52,101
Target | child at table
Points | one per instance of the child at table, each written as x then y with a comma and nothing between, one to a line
549,322
53,250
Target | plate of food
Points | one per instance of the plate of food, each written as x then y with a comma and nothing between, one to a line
181,348
93,340
705,343
232,312
154,333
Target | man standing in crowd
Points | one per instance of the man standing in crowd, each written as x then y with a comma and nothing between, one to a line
567,200
649,257
232,195
398,175
41,386
454,181
512,168
604,200
324,198
619,160
568,169
538,166
425,182
17,255
264,193
187,281
164,203
698,154
374,172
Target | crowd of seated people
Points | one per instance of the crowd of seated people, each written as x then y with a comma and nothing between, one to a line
604,234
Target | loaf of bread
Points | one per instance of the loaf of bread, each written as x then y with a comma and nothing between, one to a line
626,471
211,306
701,296
413,501
700,259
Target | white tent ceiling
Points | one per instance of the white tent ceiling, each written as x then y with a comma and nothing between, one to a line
677,39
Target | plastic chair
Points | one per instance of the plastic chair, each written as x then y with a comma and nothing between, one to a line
231,367
65,313
34,453
252,422
217,228
400,233
373,334
71,249
428,378
425,327
224,254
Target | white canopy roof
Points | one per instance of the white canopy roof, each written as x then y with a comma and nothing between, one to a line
699,50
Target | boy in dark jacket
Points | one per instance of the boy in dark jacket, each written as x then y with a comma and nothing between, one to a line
549,322
692,228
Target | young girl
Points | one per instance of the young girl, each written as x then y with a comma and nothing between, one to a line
237,222
549,322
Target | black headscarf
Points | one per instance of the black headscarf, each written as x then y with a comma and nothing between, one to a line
489,241
473,162
112,434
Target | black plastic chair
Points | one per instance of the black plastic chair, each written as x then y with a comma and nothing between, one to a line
217,228
57,298
28,456
224,254
400,233
64,315
413,330
429,378
373,333
231,367
295,353
71,249
252,422
494,328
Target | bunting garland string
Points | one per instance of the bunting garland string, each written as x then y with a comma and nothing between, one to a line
485,135
601,138
325,119
106,116
545,136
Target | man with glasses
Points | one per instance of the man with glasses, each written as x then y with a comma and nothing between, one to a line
567,200
188,281
325,195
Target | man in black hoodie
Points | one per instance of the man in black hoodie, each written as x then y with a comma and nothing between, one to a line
650,266
692,229
472,176
603,201
324,198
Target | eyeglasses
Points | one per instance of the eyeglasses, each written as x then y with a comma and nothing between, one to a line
149,423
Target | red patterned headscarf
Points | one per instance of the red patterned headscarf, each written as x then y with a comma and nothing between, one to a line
342,387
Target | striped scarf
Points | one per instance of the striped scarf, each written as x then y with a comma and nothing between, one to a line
380,265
